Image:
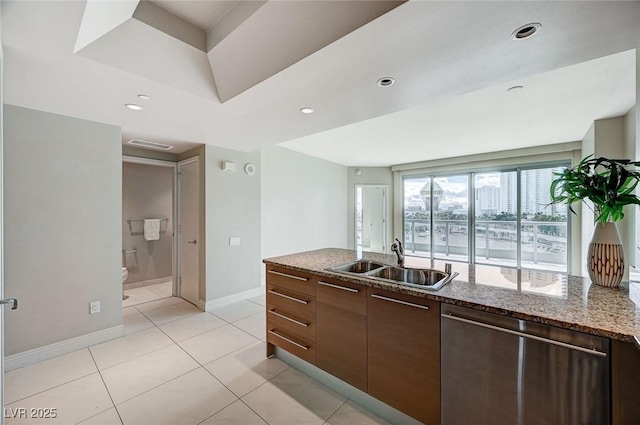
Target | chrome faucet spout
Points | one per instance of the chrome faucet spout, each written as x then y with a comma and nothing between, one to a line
399,250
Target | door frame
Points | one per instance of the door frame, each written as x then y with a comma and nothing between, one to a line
178,251
174,166
1,233
385,213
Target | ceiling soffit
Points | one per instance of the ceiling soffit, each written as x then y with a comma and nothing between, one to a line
202,14
171,24
248,43
100,17
282,33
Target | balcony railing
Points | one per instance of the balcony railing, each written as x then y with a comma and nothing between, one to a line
544,244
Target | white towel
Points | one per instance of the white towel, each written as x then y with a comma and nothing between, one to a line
152,229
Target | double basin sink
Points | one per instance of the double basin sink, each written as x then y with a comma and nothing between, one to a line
418,278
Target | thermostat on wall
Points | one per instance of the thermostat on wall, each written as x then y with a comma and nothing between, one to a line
228,166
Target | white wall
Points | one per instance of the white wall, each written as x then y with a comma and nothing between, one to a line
373,176
607,138
62,206
631,211
232,210
304,203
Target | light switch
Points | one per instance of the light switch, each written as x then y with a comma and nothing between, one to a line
234,241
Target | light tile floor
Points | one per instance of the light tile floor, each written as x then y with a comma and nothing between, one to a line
146,294
179,366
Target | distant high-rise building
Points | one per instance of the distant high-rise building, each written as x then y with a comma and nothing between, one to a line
508,192
488,200
535,194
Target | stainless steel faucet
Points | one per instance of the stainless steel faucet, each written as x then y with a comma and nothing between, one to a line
399,250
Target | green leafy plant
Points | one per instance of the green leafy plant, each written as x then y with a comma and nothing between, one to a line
608,183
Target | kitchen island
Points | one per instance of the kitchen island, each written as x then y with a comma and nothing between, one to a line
556,299
548,298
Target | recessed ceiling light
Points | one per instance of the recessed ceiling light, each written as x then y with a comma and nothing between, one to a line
515,88
134,107
143,97
386,81
307,110
526,31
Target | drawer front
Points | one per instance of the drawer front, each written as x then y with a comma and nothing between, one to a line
299,347
293,280
298,304
342,295
292,324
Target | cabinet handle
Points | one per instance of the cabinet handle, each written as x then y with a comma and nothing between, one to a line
304,279
591,351
393,300
273,332
297,322
344,288
298,300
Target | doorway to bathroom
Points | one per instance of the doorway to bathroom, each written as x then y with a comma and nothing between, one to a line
148,230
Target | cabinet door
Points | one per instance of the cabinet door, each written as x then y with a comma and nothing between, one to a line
404,353
341,330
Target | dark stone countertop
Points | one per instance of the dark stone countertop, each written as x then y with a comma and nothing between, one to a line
555,299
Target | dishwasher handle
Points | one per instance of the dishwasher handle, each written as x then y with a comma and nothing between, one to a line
592,351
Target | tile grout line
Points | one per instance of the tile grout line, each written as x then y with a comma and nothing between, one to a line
200,364
135,357
55,386
209,417
166,382
250,408
334,413
238,397
107,389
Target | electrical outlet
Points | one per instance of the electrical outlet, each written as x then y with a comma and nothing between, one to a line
234,241
94,307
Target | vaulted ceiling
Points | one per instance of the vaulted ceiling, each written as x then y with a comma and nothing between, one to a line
236,73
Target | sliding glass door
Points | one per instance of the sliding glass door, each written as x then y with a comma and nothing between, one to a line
508,212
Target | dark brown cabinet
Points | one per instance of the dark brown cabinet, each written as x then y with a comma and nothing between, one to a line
404,353
341,333
291,313
381,342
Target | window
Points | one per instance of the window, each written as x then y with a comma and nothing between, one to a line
450,208
544,227
513,224
496,223
417,216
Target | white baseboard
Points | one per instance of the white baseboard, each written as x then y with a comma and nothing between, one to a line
230,299
56,349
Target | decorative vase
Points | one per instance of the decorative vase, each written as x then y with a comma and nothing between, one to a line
605,256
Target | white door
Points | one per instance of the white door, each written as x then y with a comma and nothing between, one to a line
371,218
188,231
4,303
1,243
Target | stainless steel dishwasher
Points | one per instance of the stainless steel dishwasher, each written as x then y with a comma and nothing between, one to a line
498,370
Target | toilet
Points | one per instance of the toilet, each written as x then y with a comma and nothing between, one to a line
125,275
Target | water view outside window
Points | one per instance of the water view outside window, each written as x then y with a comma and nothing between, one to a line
496,226
544,232
417,216
542,228
451,217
